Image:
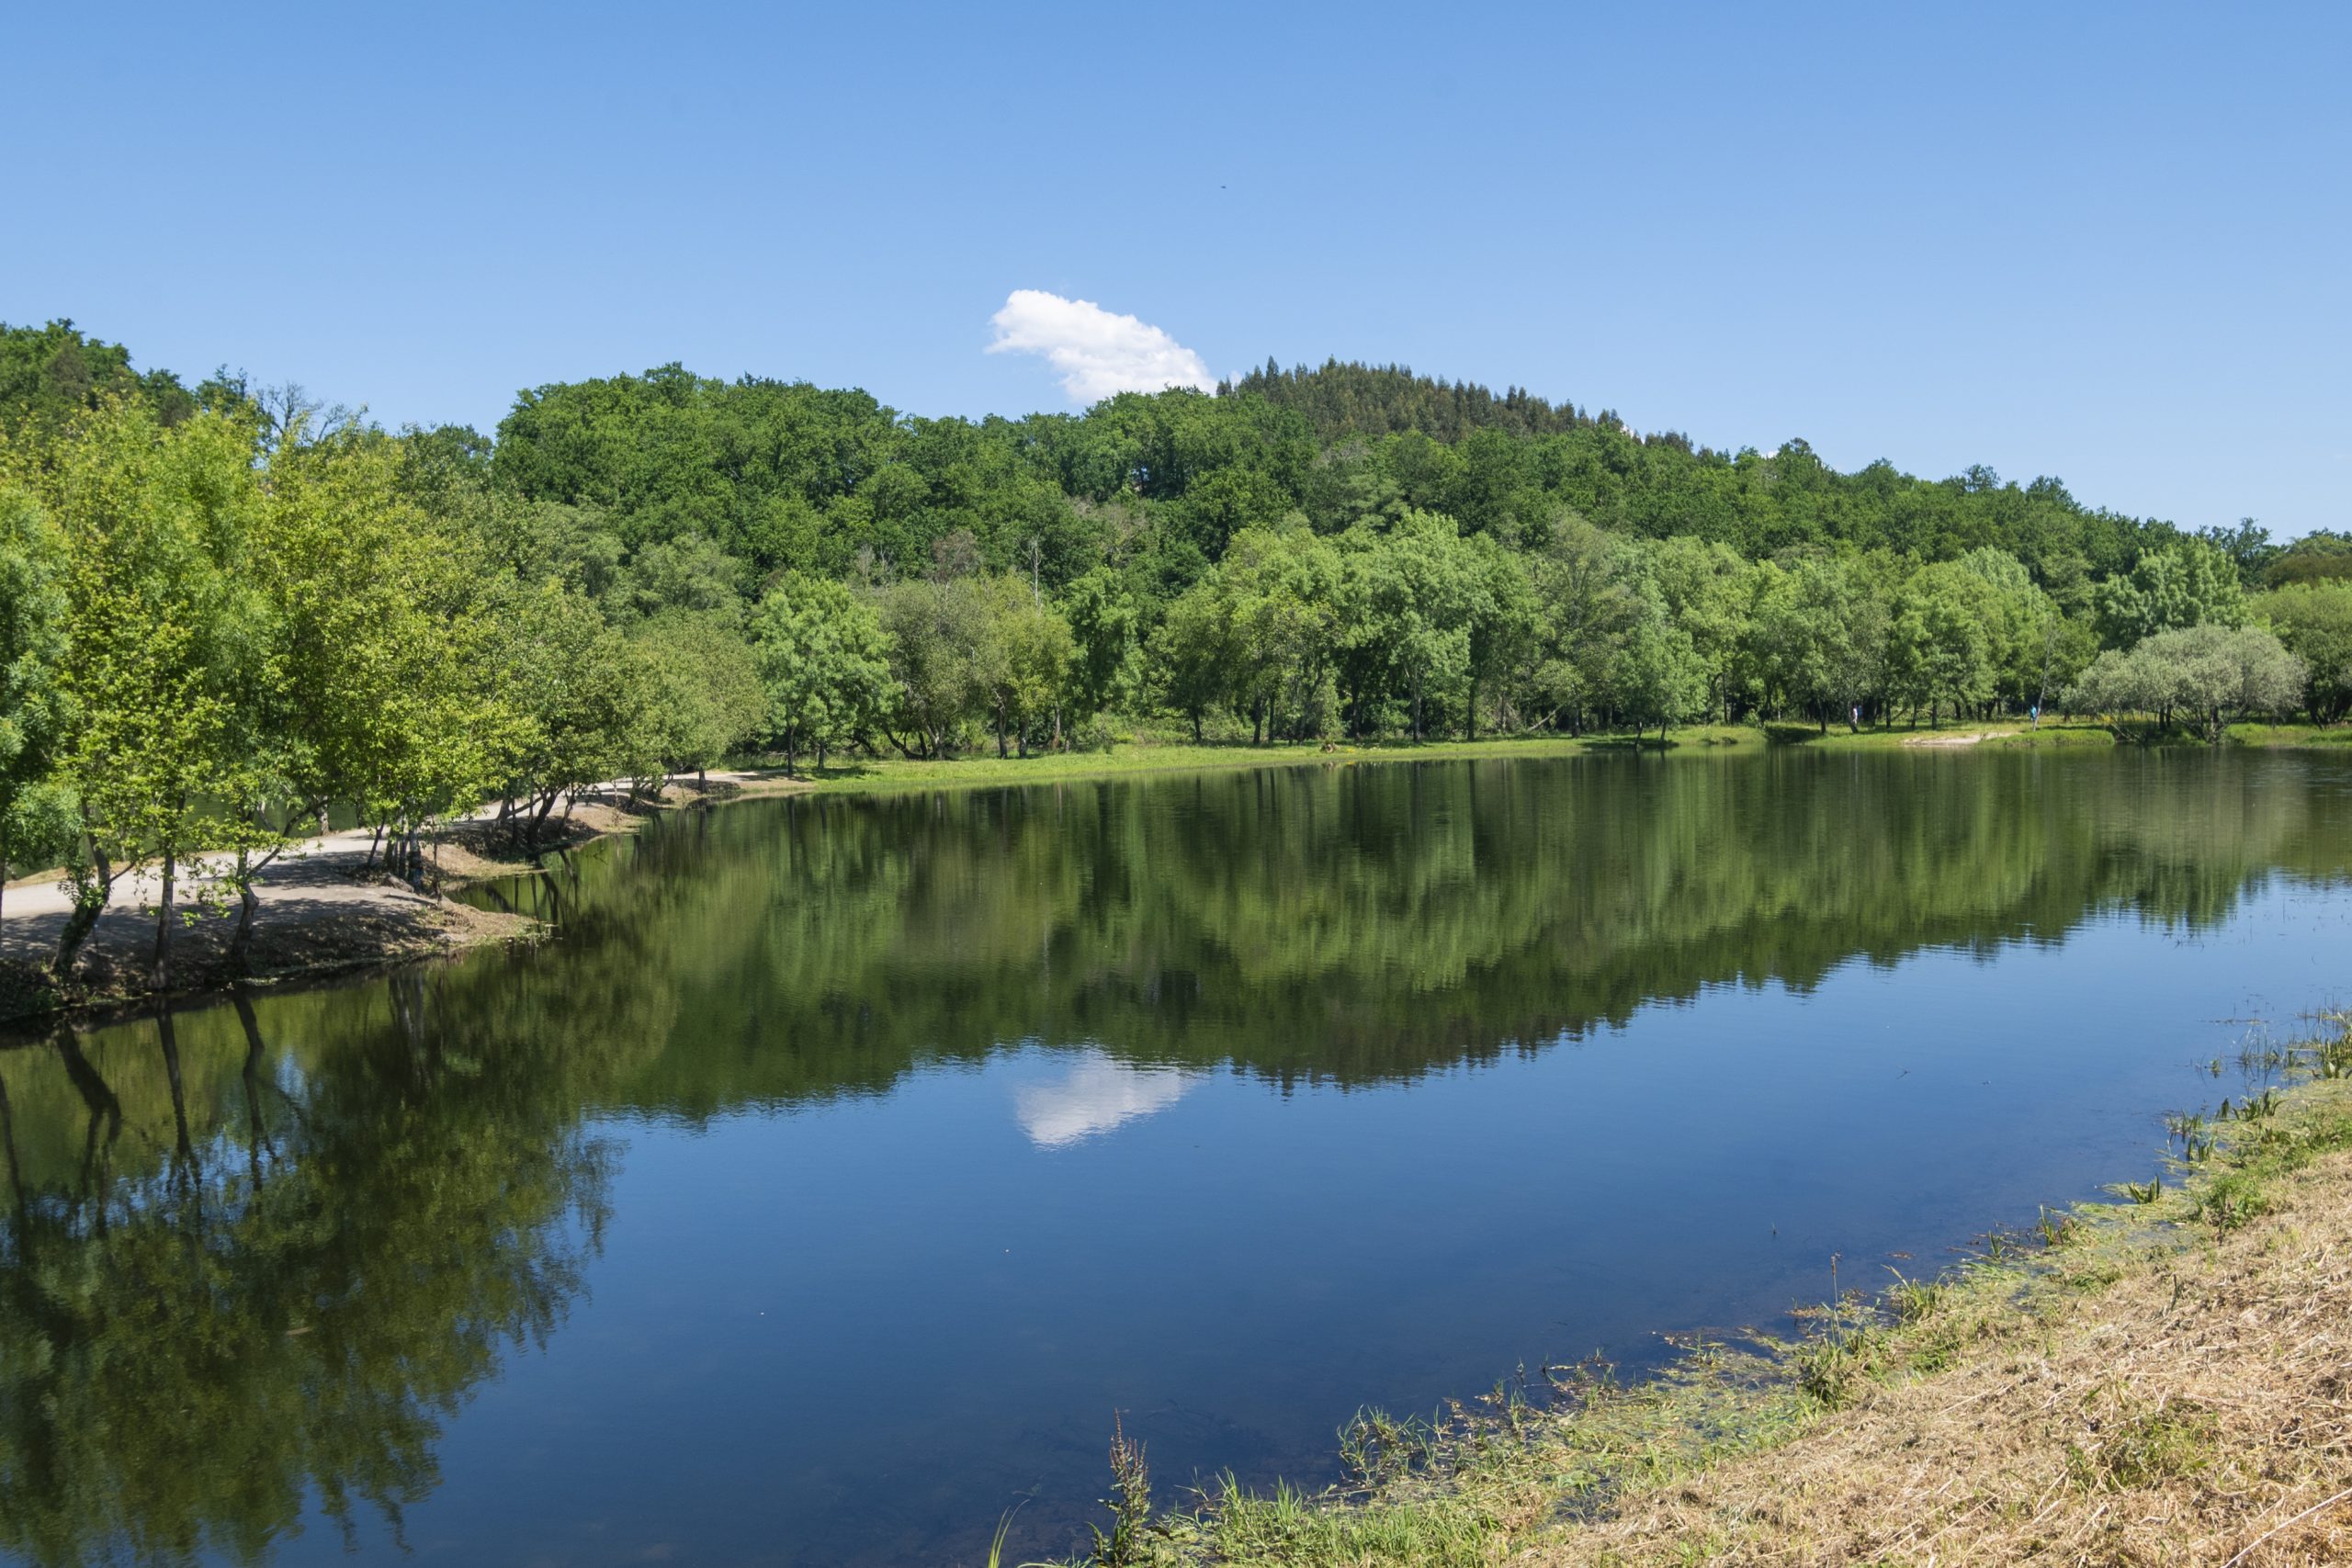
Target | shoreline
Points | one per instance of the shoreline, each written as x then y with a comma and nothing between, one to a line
2154,1380
321,913
321,910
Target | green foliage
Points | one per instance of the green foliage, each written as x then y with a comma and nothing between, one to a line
824,662
2184,584
168,635
53,375
1658,678
2321,555
706,697
1026,657
36,808
2211,674
938,634
2313,619
580,689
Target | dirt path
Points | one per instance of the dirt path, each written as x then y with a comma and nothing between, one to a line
321,904
1968,740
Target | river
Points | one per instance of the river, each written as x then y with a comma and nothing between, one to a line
826,1183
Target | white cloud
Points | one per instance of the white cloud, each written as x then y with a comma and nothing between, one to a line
1096,352
1093,1096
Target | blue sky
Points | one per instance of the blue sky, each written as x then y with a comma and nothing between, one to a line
2104,242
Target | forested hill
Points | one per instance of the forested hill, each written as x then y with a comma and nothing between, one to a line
1342,400
778,476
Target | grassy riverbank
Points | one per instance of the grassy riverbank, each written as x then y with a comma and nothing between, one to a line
2156,1381
1148,754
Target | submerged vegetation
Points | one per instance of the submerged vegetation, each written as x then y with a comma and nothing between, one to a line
2154,1382
226,610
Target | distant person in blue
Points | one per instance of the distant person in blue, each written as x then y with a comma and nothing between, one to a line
2037,716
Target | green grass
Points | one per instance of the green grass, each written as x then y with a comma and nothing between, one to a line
1146,753
2291,735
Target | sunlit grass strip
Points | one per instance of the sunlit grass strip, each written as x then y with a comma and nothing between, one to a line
1145,755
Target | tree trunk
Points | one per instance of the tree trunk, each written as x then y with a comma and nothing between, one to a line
183,1151
159,966
252,1077
81,919
17,1185
240,943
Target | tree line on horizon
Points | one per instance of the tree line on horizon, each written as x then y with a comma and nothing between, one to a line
224,608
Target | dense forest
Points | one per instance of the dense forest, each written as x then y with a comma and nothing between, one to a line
224,608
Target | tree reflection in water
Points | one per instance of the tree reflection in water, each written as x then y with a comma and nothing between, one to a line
255,1255
266,1276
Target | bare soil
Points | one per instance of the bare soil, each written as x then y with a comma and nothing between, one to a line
326,904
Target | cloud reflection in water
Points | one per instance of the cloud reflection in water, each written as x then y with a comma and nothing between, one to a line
1091,1096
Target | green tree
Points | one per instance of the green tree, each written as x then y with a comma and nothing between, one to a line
1504,622
940,642
52,376
163,623
1589,591
2213,673
1405,599
1278,594
705,695
1194,652
1819,635
1712,594
2187,583
1657,677
1103,624
37,810
2313,619
825,662
1026,662
1943,642
578,689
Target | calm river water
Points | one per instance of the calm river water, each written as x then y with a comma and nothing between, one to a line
828,1184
